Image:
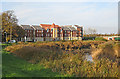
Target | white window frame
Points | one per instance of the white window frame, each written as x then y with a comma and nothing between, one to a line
47,30
51,30
57,30
65,34
61,30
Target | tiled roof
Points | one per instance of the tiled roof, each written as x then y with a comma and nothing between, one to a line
49,25
77,26
72,28
27,27
37,27
45,25
65,28
68,27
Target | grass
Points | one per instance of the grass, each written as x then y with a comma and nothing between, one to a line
16,67
70,63
108,49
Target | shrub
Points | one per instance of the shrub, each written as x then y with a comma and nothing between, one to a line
106,50
71,62
100,39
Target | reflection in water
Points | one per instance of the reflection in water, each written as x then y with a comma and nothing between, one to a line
88,57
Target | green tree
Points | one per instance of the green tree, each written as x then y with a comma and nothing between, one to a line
10,26
18,33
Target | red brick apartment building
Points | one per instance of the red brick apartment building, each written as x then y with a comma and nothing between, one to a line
51,32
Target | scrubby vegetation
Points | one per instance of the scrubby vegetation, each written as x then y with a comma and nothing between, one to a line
108,50
17,67
68,58
100,39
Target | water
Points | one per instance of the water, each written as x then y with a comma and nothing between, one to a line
89,57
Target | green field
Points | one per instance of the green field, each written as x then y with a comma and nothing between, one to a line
16,67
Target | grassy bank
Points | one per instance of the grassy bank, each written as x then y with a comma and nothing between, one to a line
13,66
67,58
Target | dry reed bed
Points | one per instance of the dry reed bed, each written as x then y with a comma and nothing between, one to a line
72,63
107,50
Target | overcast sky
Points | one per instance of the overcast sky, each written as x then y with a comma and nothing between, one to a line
103,16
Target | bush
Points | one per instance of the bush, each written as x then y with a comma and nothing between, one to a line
55,55
88,38
100,39
107,50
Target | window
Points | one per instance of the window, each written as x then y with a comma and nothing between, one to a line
76,34
48,34
42,34
65,35
68,34
57,30
47,30
51,30
68,31
58,35
61,30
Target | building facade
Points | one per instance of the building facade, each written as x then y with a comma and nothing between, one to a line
72,32
28,33
52,32
37,33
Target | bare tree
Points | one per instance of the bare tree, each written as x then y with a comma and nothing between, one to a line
90,31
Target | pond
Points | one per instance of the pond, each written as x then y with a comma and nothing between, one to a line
88,57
